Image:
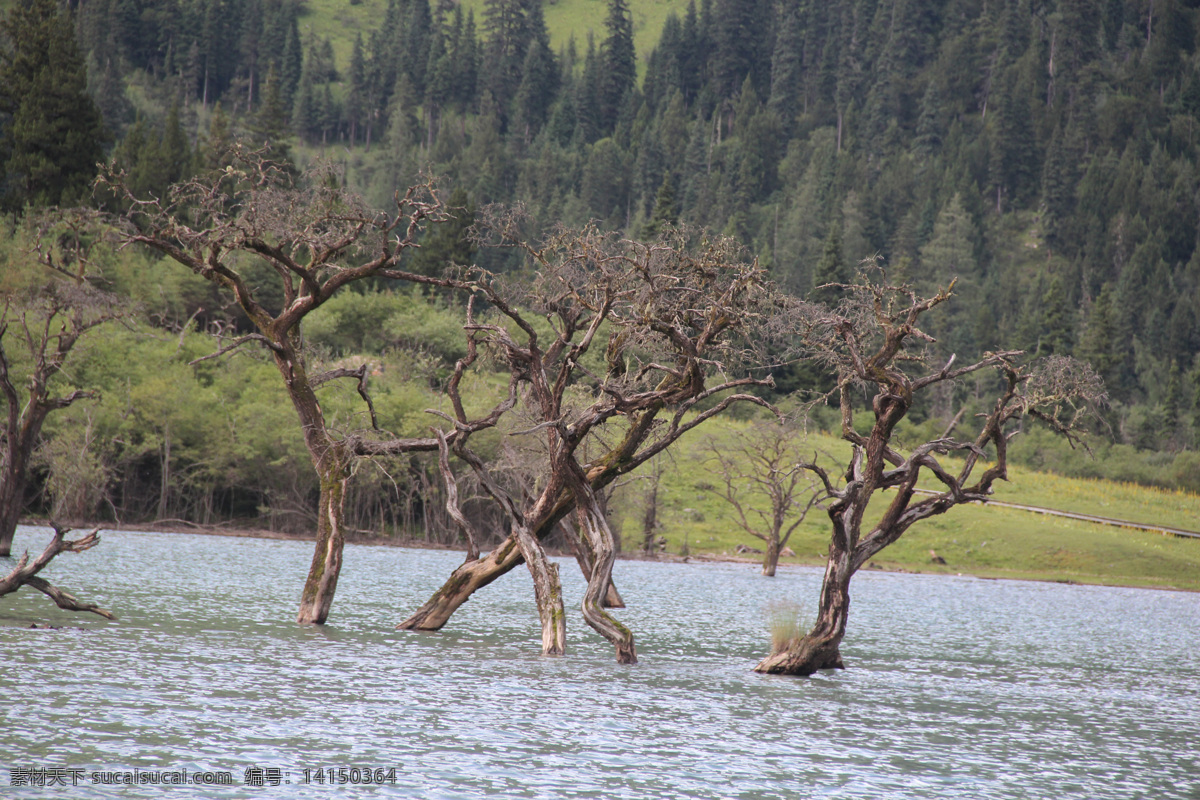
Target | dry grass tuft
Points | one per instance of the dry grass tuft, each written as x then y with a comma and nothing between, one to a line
785,624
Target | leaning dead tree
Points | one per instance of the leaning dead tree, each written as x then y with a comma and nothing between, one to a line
51,308
873,342
645,343
25,573
315,239
768,487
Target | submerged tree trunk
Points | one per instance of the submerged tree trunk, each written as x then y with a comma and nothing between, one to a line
586,559
463,582
547,591
321,585
819,648
600,538
12,502
771,559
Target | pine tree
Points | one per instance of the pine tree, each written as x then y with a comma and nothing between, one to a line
1099,338
52,134
739,28
587,97
466,58
291,62
665,211
787,70
1196,406
414,55
356,93
950,252
1058,329
948,255
929,124
1173,400
215,147
304,107
511,27
270,124
250,41
539,85
831,269
448,243
618,63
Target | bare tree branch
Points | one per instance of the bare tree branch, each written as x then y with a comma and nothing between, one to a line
26,573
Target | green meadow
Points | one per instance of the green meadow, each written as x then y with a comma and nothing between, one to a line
978,540
341,22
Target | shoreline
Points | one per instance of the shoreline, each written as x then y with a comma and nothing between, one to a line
180,527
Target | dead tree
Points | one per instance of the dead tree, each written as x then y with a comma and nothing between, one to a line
873,341
47,317
761,464
646,342
315,240
26,573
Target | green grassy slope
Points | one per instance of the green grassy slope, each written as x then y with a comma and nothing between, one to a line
986,541
341,22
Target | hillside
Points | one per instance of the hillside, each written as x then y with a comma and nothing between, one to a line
1045,156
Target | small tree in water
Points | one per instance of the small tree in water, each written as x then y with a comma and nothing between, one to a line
872,342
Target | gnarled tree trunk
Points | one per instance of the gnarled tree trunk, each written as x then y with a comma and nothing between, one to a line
586,559
600,537
326,567
547,592
819,648
461,585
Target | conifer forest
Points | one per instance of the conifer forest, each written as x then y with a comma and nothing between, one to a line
1041,154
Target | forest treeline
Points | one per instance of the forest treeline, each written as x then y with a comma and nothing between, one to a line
1042,153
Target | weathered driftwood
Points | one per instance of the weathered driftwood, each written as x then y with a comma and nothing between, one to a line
25,573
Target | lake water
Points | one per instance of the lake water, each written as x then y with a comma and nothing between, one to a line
956,687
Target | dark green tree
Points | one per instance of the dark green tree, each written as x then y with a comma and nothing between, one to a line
618,62
448,243
830,269
51,133
666,211
539,86
787,68
356,92
1173,400
270,125
1096,345
1058,325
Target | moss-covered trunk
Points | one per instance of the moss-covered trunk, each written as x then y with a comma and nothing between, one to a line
321,585
547,592
463,582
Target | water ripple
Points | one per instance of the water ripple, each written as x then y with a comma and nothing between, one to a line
958,688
